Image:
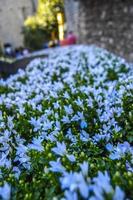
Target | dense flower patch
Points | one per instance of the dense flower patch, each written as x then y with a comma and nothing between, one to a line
66,128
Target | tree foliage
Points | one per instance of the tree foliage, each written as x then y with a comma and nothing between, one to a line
38,28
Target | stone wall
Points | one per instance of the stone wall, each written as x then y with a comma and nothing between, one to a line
72,14
12,16
108,24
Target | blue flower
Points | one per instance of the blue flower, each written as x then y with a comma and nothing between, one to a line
68,109
129,167
120,150
115,156
75,181
83,188
103,181
70,195
36,144
5,191
56,166
79,102
83,124
65,119
84,136
99,137
109,147
71,158
66,180
60,149
36,123
84,168
56,105
119,194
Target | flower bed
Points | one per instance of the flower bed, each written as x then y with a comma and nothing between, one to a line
66,128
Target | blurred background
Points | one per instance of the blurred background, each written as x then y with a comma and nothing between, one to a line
30,25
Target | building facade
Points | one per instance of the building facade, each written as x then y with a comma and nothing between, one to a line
106,23
12,16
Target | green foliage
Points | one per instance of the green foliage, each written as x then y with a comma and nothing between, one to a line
5,89
38,28
34,38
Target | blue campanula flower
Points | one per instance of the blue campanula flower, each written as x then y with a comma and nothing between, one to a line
75,181
83,124
56,105
84,168
66,180
71,158
119,194
75,118
84,136
103,181
56,166
60,149
70,195
47,125
71,136
81,115
68,109
65,119
36,144
4,161
115,156
129,167
36,123
5,191
51,137
57,125
22,110
22,157
10,123
16,172
66,95
109,147
79,102
120,150
99,137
